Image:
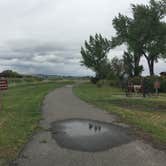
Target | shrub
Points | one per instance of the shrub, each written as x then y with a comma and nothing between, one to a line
100,83
163,84
150,80
136,80
94,80
113,83
10,74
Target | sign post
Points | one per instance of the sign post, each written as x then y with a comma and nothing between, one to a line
157,86
3,86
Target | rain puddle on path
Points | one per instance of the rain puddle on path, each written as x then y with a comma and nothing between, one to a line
89,135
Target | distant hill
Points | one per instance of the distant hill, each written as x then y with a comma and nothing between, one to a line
57,76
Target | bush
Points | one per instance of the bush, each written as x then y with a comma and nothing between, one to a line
32,79
150,80
163,84
10,74
94,80
113,83
100,83
136,80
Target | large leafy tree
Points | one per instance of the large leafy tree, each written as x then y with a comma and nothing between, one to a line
144,33
122,25
94,54
10,73
117,67
130,64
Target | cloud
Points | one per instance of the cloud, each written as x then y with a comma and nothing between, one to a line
44,36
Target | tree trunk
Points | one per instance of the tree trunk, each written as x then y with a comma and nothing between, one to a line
150,64
136,64
151,67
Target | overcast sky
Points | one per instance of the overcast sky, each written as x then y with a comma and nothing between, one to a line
45,36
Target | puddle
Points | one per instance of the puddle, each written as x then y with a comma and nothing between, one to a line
89,135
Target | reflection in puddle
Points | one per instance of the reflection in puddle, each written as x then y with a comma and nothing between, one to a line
83,129
88,135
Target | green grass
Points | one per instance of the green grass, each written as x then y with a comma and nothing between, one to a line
146,114
20,115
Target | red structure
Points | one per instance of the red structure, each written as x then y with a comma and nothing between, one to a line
133,88
3,84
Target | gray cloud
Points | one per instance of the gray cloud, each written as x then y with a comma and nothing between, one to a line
41,36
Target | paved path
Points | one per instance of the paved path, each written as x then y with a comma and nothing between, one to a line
42,150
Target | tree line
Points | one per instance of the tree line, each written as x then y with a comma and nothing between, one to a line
143,34
10,74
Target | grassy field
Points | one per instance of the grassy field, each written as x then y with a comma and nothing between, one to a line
147,115
20,115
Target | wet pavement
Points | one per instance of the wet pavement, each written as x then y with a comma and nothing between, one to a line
89,135
47,149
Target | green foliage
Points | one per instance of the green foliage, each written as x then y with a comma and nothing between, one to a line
105,70
32,79
121,25
150,80
163,84
100,83
10,74
148,114
136,80
144,33
94,80
117,67
130,66
94,54
23,80
20,115
111,82
152,31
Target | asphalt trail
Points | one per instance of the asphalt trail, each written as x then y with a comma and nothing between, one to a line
61,104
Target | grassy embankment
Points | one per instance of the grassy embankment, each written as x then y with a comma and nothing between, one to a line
20,115
147,115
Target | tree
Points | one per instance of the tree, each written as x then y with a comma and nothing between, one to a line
10,73
144,33
117,67
94,54
122,25
118,72
131,67
152,30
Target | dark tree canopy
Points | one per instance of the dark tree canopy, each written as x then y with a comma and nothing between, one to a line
144,33
130,65
117,67
10,73
94,54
